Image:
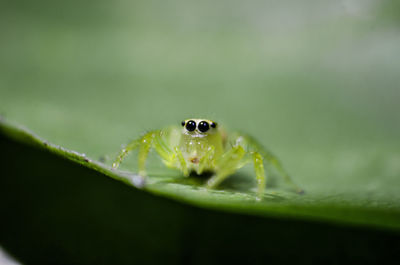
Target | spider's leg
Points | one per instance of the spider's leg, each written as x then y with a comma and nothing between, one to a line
182,161
206,160
226,165
125,151
155,139
274,161
260,174
144,144
235,159
172,157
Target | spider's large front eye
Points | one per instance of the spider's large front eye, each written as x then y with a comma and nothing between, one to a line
203,126
190,126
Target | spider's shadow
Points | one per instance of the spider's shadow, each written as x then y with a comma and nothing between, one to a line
238,182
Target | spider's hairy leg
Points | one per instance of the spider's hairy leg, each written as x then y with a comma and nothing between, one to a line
277,164
182,162
260,174
125,151
274,161
170,153
206,160
226,165
236,158
146,142
155,139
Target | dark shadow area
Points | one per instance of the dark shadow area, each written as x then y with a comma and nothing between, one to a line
193,179
56,212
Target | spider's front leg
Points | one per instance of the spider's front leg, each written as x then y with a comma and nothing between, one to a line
172,158
226,165
258,162
206,162
266,156
153,139
125,151
273,160
144,144
234,159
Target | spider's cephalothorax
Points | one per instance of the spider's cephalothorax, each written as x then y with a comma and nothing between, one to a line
200,138
200,146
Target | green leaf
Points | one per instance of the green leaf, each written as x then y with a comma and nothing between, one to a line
237,195
57,212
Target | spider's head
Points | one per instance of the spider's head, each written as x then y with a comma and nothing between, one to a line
199,127
199,138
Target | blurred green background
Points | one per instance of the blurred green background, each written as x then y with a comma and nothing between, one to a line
315,81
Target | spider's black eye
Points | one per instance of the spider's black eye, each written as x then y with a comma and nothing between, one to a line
203,126
190,126
213,125
183,123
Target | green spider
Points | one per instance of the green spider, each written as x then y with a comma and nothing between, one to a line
201,146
